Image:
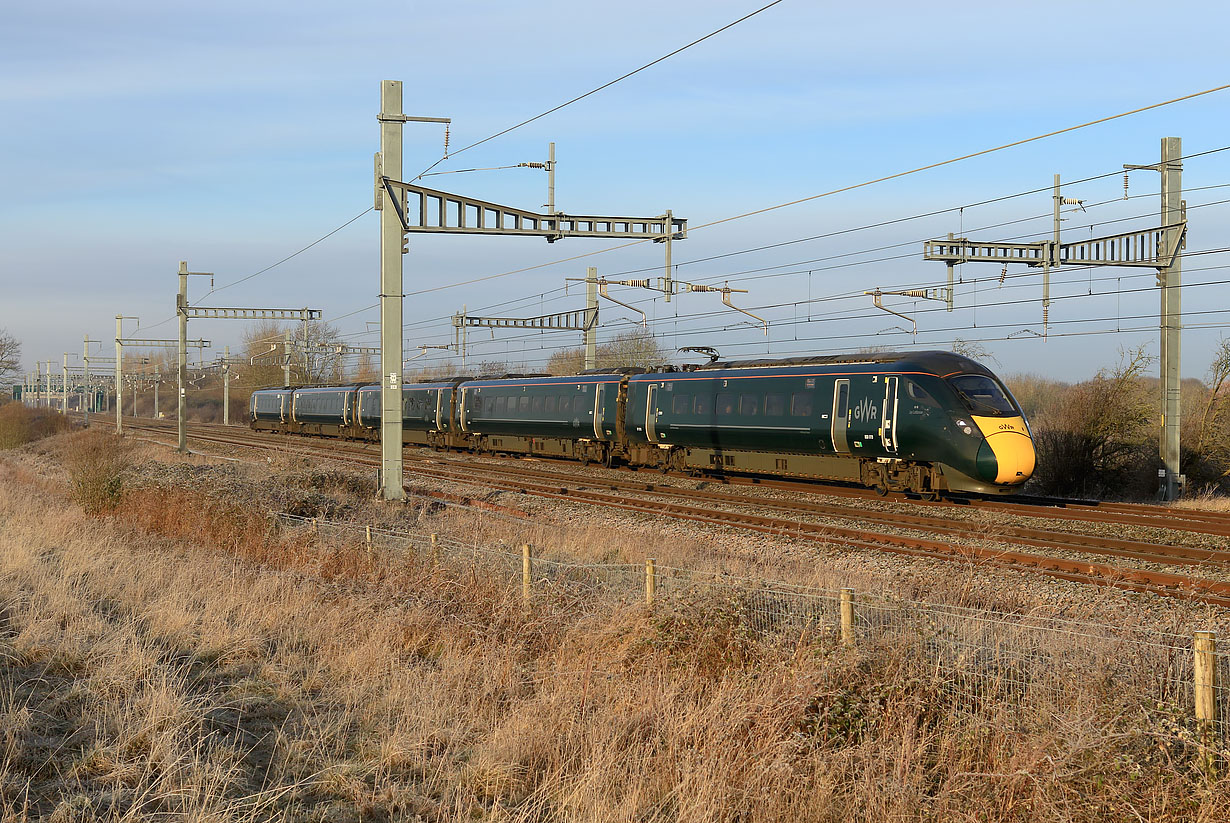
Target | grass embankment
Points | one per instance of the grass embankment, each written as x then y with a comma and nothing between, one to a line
178,657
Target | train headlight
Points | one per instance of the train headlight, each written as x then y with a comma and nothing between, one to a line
965,426
967,430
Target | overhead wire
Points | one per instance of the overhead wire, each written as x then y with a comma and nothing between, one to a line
594,91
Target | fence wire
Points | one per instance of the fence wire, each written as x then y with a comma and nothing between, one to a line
978,655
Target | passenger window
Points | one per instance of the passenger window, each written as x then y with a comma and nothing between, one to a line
775,404
523,403
548,404
749,405
843,401
681,403
565,403
501,405
725,404
536,405
800,404
702,404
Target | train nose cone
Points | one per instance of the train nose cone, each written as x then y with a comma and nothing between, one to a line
1007,454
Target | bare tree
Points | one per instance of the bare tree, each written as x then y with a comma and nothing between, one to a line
10,354
972,349
365,371
635,348
1095,437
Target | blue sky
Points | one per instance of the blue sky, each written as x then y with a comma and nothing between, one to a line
137,134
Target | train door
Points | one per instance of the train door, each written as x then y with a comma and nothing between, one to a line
888,428
651,413
599,389
841,415
440,410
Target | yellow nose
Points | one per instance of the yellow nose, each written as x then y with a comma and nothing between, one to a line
1012,446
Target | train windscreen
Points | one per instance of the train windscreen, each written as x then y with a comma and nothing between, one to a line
984,395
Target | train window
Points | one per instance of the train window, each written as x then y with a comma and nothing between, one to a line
725,404
917,392
536,404
775,404
565,403
749,405
702,404
843,401
548,404
983,395
523,403
800,404
501,405
681,403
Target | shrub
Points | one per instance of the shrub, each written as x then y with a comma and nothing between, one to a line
97,464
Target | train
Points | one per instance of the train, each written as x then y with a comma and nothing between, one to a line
923,423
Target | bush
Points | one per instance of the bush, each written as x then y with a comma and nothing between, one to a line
1097,438
97,466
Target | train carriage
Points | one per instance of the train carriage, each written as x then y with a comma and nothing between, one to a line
269,409
323,409
891,421
575,416
427,412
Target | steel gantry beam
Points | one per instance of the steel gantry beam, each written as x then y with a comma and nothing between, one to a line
186,311
120,343
409,208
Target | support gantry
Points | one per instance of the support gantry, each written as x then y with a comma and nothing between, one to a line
1157,248
407,207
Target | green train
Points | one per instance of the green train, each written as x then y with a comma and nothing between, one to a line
923,423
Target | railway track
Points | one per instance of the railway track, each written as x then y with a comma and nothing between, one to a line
866,528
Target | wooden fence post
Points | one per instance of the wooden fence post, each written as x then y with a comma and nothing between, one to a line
368,535
1205,682
435,549
847,616
525,573
316,526
651,580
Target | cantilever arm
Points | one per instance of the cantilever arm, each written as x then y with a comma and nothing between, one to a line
602,286
878,298
726,292
726,299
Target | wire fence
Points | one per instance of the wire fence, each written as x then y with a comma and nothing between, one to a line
984,655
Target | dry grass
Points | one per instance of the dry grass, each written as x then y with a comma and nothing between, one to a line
20,425
97,463
1208,500
181,658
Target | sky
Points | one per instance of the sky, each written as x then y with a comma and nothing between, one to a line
134,135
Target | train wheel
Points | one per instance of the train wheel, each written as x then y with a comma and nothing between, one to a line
881,489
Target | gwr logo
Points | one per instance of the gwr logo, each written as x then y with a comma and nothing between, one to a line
865,410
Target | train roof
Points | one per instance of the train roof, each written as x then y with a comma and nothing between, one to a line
937,362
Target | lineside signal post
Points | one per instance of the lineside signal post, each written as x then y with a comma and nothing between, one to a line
406,207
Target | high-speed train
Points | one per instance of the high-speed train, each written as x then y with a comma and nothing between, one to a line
918,422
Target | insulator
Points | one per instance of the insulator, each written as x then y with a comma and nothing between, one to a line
1125,185
1071,201
446,139
915,293
535,165
1003,275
